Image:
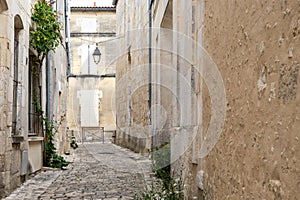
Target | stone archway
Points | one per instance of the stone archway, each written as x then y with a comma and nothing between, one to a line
3,6
18,22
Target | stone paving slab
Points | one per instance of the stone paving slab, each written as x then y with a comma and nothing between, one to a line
35,187
99,171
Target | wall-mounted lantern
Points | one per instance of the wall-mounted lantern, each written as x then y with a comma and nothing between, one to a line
97,55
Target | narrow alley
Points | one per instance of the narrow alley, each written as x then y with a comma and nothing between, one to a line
149,99
97,171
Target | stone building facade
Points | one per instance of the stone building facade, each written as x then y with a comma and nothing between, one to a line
132,100
92,27
224,93
21,137
57,94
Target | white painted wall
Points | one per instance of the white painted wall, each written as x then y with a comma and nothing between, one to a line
89,103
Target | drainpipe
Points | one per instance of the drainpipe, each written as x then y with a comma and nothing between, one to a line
150,60
68,49
47,101
67,33
48,73
150,3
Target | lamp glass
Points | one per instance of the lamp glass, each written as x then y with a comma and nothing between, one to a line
97,55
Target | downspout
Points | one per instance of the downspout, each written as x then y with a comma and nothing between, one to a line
150,69
47,102
48,73
67,35
67,26
150,2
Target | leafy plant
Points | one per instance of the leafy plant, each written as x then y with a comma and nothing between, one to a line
46,35
73,143
167,186
161,163
50,128
52,159
159,191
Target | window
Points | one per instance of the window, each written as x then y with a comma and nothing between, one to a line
18,26
34,98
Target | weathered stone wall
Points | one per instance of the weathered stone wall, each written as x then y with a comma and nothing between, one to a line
255,45
58,85
13,148
87,28
178,55
132,76
10,151
176,85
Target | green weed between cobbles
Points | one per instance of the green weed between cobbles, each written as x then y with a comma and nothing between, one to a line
166,186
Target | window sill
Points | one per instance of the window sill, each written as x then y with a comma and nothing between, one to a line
35,138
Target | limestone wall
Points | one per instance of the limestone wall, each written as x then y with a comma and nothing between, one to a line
132,76
10,149
89,28
255,45
58,85
15,17
252,46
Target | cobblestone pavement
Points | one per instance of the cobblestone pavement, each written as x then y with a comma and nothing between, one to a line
98,171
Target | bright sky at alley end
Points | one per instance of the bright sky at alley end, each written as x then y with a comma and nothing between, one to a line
90,2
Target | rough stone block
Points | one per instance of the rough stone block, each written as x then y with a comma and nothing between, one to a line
9,119
4,24
5,180
199,180
7,160
2,142
2,163
5,54
2,121
15,181
8,140
2,125
288,81
16,159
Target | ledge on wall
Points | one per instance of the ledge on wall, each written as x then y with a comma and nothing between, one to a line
16,139
35,138
112,8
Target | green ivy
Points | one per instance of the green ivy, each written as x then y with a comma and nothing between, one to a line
52,159
50,128
46,35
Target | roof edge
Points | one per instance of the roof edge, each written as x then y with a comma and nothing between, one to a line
73,8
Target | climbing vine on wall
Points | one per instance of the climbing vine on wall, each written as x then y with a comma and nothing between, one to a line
45,36
50,128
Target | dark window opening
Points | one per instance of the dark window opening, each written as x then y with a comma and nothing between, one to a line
34,99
